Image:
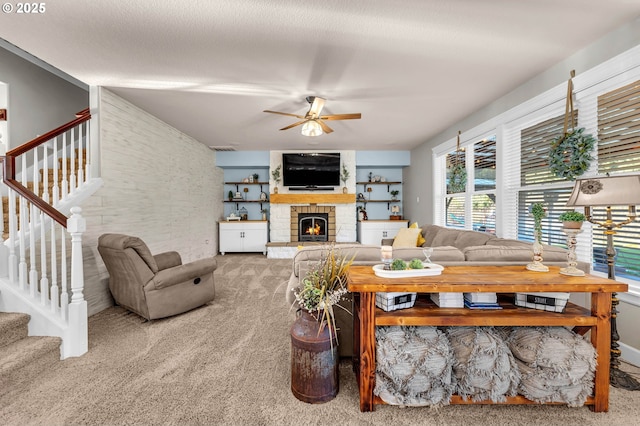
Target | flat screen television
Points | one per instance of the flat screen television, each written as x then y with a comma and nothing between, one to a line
311,169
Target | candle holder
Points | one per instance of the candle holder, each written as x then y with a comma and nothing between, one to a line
571,256
386,255
537,249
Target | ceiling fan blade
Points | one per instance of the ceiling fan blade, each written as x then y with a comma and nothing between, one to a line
355,116
324,126
294,124
284,113
316,107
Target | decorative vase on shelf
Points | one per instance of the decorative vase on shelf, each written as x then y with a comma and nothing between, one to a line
275,189
344,189
537,249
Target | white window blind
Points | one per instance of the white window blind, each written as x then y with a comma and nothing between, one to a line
554,200
534,150
619,152
453,159
455,217
484,164
534,171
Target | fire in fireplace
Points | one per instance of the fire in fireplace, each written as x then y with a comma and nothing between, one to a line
313,226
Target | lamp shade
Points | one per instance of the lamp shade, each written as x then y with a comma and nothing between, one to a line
606,191
311,128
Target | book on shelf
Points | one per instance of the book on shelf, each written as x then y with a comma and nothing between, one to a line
448,300
476,305
481,297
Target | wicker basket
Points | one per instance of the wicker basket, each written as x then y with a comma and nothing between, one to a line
394,301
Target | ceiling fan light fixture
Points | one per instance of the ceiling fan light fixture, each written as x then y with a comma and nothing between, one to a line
311,128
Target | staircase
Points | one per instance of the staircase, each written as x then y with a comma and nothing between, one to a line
51,184
23,358
41,265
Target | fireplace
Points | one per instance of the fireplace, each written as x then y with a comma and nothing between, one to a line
313,227
322,212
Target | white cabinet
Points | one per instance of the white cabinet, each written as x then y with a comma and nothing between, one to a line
373,231
243,236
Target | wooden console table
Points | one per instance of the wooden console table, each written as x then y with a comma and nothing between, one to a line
364,284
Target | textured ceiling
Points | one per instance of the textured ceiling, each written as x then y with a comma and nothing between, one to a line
411,67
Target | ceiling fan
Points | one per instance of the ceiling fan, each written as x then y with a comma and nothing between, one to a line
313,124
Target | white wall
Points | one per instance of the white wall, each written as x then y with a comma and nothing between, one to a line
39,101
159,184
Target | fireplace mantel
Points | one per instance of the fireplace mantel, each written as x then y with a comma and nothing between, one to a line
312,198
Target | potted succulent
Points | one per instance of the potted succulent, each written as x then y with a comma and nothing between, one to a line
230,195
394,195
572,219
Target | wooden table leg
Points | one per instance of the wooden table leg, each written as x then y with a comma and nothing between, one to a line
601,340
367,345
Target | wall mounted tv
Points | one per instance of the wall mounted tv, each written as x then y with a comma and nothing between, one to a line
311,170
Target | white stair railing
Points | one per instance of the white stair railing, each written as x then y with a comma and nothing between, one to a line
41,274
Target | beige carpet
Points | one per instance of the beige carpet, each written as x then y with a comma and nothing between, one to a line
228,363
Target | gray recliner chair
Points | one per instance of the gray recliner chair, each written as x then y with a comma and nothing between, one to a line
154,286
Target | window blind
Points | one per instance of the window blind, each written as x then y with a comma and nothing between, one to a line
554,201
455,212
484,163
618,152
454,158
535,143
619,130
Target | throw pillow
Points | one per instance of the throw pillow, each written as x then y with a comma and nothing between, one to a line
420,237
407,237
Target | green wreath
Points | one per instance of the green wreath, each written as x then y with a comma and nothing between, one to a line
570,154
457,178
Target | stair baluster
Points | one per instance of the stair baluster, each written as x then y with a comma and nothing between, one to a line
36,201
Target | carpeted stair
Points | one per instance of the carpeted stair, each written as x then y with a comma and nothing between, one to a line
23,357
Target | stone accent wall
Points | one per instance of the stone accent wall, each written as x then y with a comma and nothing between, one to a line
159,184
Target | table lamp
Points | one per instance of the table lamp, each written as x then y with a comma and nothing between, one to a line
607,191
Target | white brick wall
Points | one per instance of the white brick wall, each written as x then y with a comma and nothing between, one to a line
159,184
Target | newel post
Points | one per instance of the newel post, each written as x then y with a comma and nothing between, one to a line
78,319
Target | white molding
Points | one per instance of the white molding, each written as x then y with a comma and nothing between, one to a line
630,354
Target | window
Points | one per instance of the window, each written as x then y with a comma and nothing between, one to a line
483,201
619,152
471,204
535,143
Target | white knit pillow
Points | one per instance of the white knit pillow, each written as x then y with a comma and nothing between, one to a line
413,366
484,366
557,365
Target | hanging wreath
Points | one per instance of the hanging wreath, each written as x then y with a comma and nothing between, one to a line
457,178
570,154
457,172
